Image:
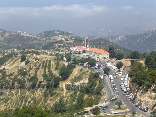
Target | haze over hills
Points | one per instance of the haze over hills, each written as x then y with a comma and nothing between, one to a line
140,42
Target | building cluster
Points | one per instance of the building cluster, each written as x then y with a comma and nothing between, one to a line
85,52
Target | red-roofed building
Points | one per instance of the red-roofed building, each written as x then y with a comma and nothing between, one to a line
98,54
78,49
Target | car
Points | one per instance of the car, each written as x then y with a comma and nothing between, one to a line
145,110
128,89
122,79
114,112
127,95
112,100
130,99
141,108
105,107
152,113
136,105
133,101
100,107
117,96
85,111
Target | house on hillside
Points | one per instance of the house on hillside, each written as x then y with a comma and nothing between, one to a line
98,54
78,49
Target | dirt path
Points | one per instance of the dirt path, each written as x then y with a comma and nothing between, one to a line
62,83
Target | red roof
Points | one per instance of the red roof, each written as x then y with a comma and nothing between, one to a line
96,50
79,48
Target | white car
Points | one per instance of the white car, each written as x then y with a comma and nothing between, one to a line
114,112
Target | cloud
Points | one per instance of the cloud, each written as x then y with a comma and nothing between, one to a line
127,7
55,11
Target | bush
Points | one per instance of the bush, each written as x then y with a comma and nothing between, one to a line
26,62
23,58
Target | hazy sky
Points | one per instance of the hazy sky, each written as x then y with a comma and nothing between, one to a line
83,17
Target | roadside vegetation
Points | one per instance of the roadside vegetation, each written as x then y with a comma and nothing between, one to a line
145,76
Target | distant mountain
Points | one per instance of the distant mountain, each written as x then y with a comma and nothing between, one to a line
21,40
141,42
103,43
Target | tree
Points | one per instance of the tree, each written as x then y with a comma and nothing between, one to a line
30,111
60,106
135,55
111,51
68,56
26,62
61,56
56,82
119,56
96,111
137,67
92,62
64,72
118,103
153,115
76,60
119,65
150,60
23,58
106,70
133,113
80,101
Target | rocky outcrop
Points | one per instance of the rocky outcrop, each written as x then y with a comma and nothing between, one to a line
143,98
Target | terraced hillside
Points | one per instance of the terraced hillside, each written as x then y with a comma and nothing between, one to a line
38,82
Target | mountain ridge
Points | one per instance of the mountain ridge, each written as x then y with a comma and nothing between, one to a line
145,42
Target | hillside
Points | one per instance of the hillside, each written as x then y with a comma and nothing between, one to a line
42,80
141,42
19,40
103,43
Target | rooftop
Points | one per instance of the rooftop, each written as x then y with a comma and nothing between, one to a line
96,50
78,48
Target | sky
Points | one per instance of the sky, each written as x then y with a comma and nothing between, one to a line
82,17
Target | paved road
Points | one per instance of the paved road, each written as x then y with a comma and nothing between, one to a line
110,93
125,99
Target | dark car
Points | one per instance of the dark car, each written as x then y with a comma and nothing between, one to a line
151,113
85,112
105,107
133,102
112,100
